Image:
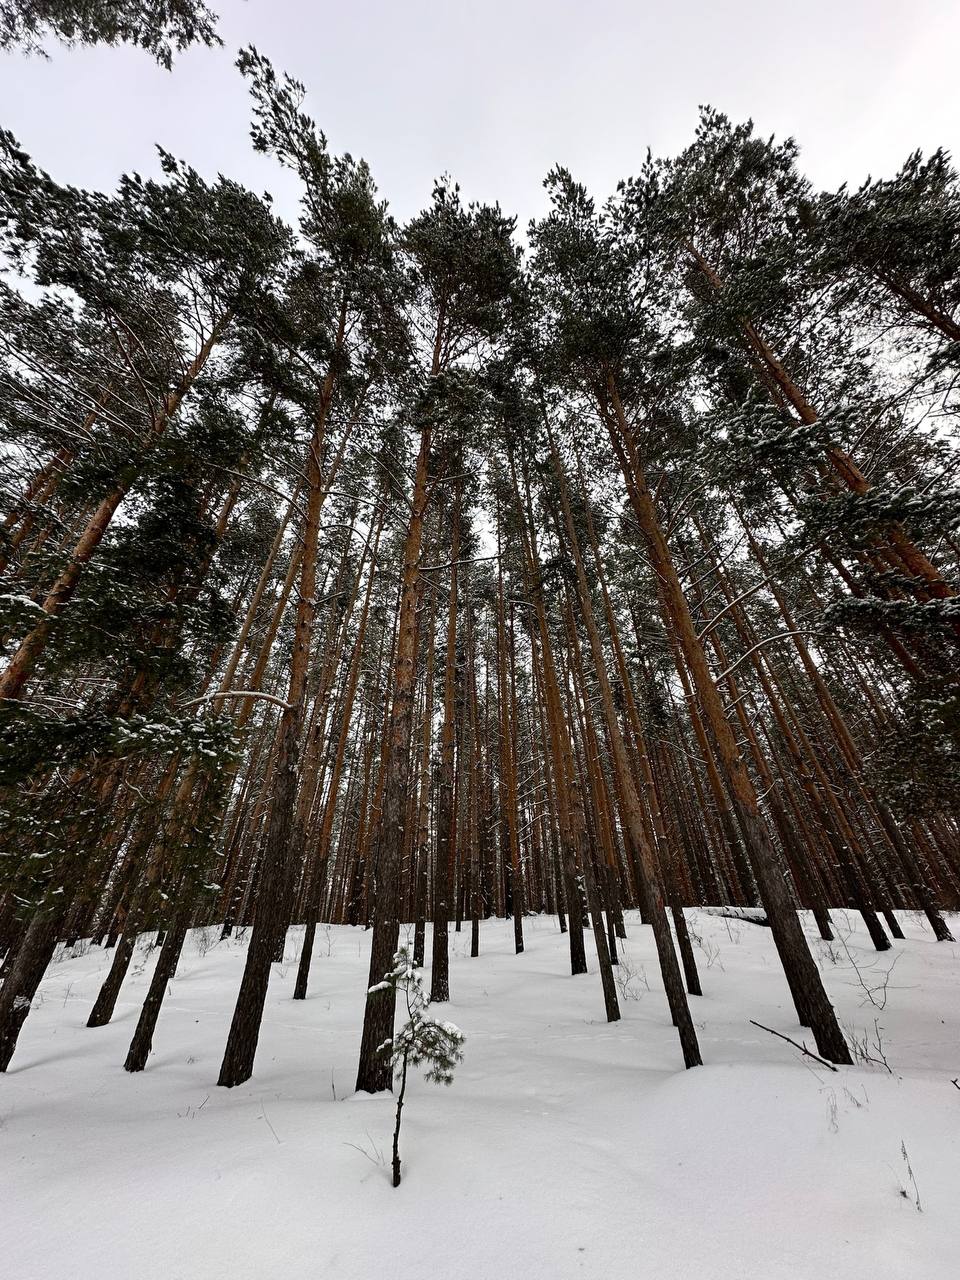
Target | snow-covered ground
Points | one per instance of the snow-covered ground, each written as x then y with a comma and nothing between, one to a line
566,1147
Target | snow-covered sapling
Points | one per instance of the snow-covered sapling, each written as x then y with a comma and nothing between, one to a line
420,1040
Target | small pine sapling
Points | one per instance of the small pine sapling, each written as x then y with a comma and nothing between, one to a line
420,1040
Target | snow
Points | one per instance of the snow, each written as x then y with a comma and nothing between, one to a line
21,601
566,1147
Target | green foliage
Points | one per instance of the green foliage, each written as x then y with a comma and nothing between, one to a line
420,1040
30,737
901,233
56,771
916,766
159,26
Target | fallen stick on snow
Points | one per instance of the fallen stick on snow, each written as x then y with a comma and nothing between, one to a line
735,913
802,1047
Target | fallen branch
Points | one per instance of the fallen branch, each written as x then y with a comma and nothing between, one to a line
802,1047
735,914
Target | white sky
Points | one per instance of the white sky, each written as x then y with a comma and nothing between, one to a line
496,92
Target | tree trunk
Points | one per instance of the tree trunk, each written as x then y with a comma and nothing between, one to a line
813,1007
373,1072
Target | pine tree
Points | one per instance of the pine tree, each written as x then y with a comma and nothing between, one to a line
463,267
419,1041
348,259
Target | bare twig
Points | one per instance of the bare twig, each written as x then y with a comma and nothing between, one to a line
802,1047
263,1112
913,1181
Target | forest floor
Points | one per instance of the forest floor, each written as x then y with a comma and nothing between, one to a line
566,1147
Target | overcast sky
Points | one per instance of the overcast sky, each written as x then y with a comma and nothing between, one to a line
495,92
